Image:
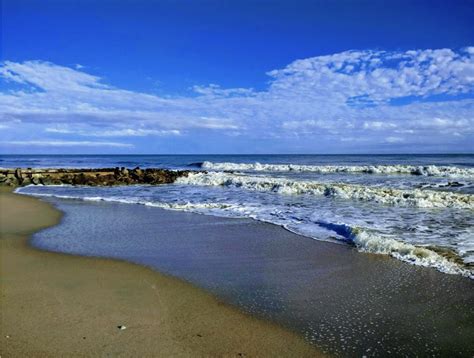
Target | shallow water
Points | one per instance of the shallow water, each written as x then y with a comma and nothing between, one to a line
348,303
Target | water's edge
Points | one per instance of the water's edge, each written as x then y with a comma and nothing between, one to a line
333,257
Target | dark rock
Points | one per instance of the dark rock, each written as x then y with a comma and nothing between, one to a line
35,179
18,174
94,177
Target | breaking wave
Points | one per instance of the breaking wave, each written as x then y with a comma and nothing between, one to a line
429,170
162,205
364,239
415,197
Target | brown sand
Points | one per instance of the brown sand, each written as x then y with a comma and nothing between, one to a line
61,305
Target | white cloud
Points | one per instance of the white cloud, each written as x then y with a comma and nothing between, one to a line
64,143
126,132
49,77
135,133
374,96
214,90
216,123
59,130
394,140
378,125
378,75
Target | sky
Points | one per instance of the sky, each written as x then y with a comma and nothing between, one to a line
230,77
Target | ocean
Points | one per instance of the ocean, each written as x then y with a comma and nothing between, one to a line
415,208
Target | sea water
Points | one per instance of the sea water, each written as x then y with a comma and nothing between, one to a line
416,208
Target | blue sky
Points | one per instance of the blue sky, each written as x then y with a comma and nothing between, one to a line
236,76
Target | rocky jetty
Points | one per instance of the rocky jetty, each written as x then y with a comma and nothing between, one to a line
93,177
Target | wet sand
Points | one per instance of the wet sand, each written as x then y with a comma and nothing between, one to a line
56,305
344,301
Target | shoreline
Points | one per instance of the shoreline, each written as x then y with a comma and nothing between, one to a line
325,292
57,304
441,258
320,290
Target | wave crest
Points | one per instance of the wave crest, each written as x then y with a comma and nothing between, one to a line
366,241
428,170
397,197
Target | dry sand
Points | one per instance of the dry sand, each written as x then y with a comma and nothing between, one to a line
61,305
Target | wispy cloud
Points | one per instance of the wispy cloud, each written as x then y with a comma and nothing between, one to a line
59,130
64,143
135,133
419,97
126,132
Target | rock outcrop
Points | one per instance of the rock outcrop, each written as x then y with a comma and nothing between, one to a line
93,177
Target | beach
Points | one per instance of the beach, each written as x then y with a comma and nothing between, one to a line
342,301
62,305
237,178
204,256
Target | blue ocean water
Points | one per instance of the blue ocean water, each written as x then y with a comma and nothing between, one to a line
415,208
186,161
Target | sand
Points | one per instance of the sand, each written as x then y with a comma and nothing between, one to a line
62,305
346,302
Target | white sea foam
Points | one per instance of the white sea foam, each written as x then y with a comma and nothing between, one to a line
415,197
364,239
369,242
163,205
428,170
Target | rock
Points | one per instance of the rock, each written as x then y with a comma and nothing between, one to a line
26,181
18,174
136,174
35,179
79,179
121,327
93,177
